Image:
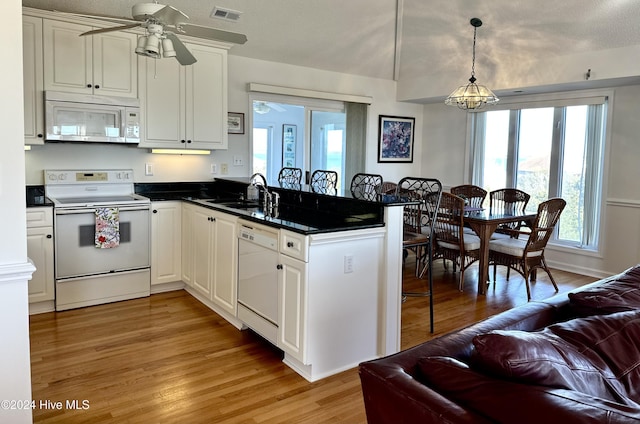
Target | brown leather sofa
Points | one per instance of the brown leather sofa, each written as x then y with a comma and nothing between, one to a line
573,358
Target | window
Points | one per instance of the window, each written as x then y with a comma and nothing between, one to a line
327,134
555,150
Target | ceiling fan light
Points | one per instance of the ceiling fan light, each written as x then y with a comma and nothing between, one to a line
152,48
261,108
142,42
167,48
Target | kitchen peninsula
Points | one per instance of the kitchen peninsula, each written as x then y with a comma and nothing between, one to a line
338,263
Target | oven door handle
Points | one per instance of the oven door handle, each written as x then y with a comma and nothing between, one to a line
59,211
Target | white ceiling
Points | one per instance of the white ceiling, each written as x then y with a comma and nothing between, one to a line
359,36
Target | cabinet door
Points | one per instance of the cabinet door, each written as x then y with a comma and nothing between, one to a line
67,57
187,244
100,64
33,80
206,98
162,97
115,64
202,250
224,266
40,250
166,242
292,305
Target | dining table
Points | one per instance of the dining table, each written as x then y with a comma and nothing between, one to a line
484,222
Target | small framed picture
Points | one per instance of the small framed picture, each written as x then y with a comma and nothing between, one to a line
395,139
235,123
289,135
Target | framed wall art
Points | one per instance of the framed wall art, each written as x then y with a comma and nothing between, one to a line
395,139
289,134
235,123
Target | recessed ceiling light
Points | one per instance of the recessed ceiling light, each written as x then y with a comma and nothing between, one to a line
225,14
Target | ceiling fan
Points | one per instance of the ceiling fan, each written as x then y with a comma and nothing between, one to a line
161,23
262,107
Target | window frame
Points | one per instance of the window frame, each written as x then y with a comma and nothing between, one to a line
515,103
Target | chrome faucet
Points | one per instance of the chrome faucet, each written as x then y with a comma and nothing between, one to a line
256,175
270,200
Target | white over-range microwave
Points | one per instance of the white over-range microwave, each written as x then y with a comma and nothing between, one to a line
88,118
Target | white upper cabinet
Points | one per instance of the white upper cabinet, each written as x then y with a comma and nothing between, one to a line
95,64
33,81
185,106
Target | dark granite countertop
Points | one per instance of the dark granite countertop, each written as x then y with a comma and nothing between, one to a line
302,211
36,197
295,219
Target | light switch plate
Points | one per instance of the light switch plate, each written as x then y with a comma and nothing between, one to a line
148,169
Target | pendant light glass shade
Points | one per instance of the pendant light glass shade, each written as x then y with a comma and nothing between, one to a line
472,96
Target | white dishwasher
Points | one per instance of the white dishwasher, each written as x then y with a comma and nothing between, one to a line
258,278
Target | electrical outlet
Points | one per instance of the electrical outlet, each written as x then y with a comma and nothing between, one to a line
224,169
237,160
348,264
148,169
214,168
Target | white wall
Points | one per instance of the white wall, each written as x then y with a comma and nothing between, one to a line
166,168
443,157
15,374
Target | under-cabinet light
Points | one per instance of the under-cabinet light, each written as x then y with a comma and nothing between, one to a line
181,152
27,147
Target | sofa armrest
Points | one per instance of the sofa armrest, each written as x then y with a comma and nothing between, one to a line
393,396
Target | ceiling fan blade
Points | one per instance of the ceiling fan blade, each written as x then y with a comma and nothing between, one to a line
114,19
212,33
118,28
169,15
183,55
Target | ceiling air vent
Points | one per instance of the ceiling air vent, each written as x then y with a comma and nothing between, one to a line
226,14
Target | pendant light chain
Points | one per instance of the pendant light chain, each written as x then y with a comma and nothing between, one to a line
473,56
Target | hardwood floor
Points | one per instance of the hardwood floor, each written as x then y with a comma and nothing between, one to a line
169,359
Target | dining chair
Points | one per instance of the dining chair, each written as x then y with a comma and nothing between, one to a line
289,175
524,256
366,186
508,201
388,187
417,235
324,181
451,241
473,194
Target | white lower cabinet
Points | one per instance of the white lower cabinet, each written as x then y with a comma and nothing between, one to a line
40,251
166,233
209,253
291,304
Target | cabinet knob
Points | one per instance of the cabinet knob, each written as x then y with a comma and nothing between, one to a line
49,236
97,86
155,211
40,135
279,266
88,85
289,244
183,141
188,141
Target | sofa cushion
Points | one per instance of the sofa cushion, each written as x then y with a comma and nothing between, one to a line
543,358
504,401
614,338
621,293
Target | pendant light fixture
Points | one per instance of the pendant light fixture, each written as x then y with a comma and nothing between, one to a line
472,95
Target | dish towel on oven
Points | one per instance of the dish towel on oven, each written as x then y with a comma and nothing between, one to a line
107,228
